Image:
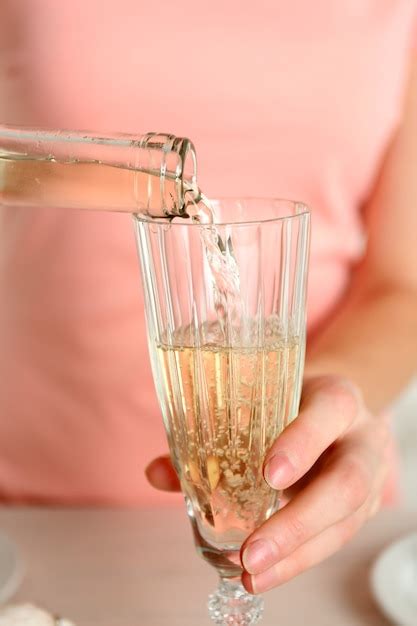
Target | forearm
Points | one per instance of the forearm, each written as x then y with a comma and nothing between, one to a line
372,340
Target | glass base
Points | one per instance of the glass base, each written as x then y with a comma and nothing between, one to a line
232,605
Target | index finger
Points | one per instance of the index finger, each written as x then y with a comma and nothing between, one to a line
329,408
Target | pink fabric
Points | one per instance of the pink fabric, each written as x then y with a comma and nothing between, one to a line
296,99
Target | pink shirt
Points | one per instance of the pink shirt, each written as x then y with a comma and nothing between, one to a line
296,99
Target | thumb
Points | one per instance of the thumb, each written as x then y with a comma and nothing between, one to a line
162,475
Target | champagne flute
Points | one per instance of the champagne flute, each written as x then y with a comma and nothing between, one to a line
225,311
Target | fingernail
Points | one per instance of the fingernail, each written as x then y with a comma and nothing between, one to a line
247,581
265,581
259,555
279,471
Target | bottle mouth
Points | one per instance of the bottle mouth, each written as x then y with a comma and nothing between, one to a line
176,167
188,191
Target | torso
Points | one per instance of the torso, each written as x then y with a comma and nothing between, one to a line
280,99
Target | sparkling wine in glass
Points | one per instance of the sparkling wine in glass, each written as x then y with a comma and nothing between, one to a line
225,310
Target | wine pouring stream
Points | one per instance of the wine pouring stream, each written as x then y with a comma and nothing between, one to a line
225,288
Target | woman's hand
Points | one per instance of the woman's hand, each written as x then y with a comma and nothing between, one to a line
332,460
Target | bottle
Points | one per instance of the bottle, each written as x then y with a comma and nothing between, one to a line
153,174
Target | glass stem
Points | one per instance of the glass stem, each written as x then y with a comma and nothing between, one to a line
232,605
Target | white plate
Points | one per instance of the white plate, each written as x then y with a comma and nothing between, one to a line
11,568
394,581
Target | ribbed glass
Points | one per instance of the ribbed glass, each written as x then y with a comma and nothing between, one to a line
228,369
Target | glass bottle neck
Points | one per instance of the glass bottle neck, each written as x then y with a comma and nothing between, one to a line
149,174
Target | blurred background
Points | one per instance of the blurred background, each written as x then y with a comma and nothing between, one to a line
405,425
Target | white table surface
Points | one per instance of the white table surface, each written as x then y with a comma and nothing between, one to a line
131,568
